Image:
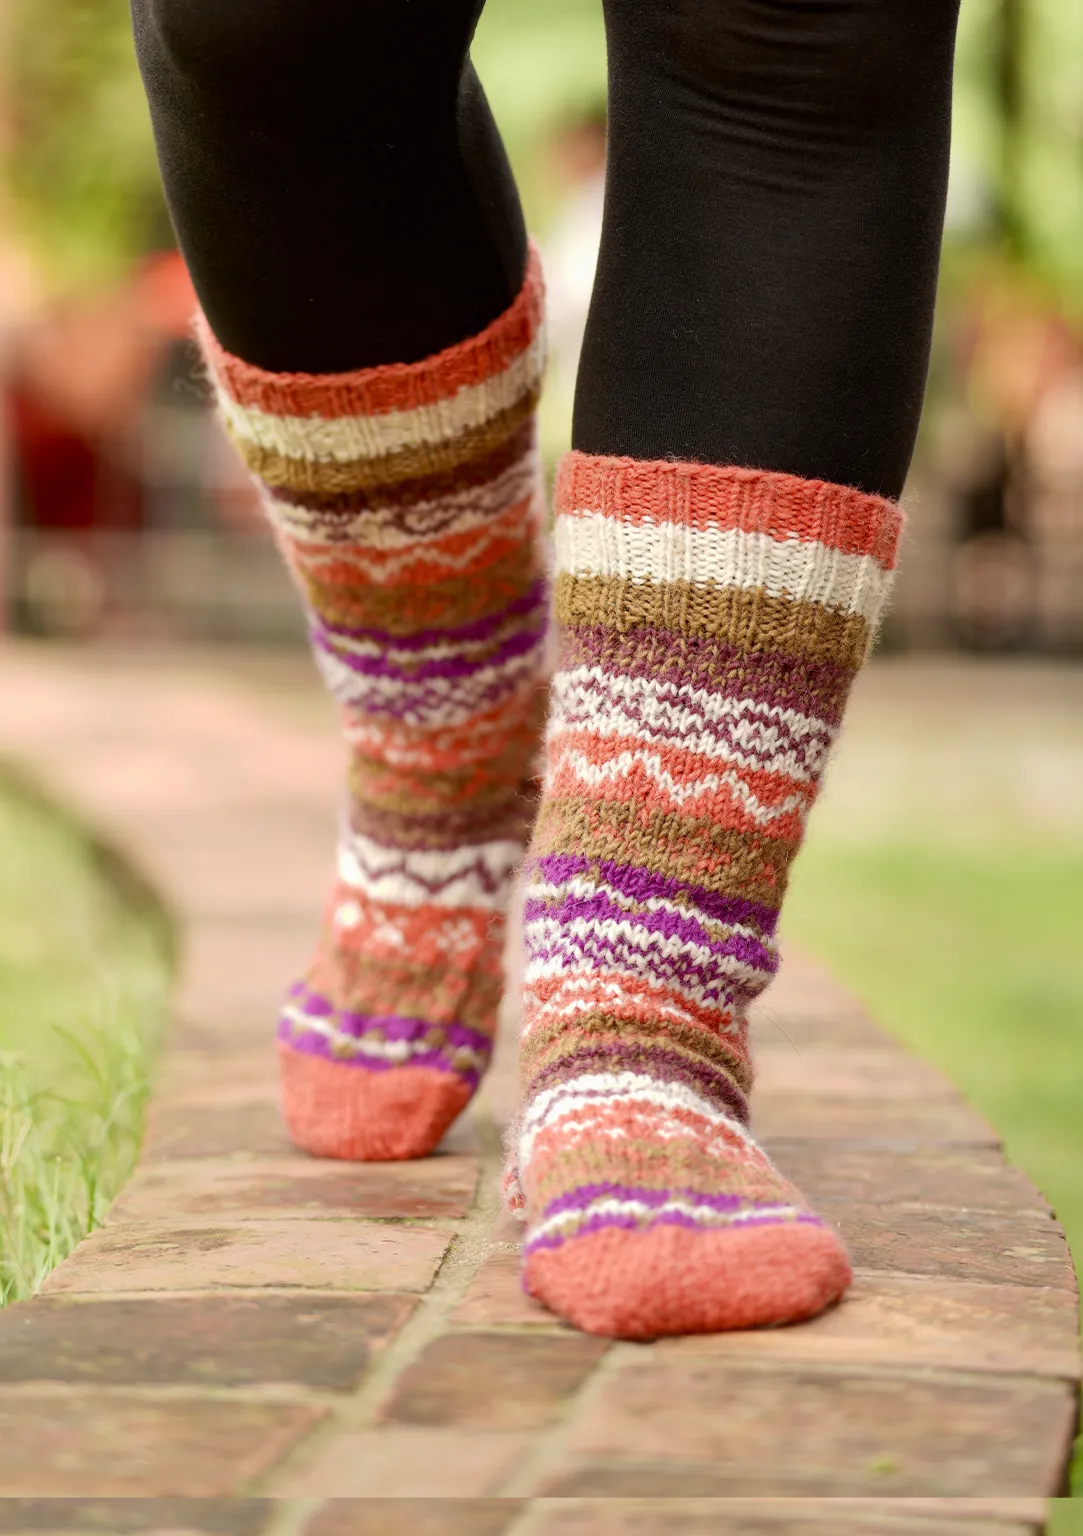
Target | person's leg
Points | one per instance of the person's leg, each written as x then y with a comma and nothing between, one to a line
336,182
726,534
344,204
774,204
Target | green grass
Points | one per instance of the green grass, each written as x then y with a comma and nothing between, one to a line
972,955
84,971
1066,1517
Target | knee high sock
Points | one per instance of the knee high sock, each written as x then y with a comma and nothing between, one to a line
406,502
345,207
711,622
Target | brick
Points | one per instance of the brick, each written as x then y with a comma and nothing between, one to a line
399,1463
190,1072
493,1380
496,1297
898,1320
763,1517
667,1425
782,1025
837,1118
236,974
965,1245
93,1444
300,1187
414,1517
888,1072
116,1517
242,863
964,1178
254,1129
322,1255
219,1089
221,1341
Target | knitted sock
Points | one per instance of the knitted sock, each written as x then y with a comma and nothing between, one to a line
711,623
406,502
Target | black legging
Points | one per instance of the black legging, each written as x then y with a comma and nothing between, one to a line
774,202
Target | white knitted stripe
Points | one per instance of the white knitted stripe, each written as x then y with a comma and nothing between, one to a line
394,527
444,649
347,439
582,1099
591,544
433,704
714,707
563,736
570,1222
584,942
681,792
475,877
732,734
583,888
397,1052
564,1008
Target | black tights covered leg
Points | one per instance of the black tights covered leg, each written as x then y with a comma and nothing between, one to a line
774,204
338,187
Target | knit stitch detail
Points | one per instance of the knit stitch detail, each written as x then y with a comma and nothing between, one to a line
406,501
712,620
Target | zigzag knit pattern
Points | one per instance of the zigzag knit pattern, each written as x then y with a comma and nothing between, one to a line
406,501
711,623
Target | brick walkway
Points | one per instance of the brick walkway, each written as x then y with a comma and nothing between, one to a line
272,1336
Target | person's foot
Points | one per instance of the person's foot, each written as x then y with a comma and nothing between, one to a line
712,621
406,500
649,1220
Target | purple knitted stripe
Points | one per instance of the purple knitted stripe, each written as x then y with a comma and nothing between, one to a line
480,629
521,643
787,682
609,956
415,702
641,885
666,925
807,747
391,1026
312,1044
586,1194
601,1222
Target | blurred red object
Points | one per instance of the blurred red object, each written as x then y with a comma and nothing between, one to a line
78,373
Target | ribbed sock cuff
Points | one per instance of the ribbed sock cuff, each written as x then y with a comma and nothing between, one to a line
341,433
760,559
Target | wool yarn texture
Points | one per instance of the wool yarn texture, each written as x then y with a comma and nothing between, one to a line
711,621
406,500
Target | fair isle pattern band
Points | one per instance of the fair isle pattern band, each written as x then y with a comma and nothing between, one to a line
712,621
406,501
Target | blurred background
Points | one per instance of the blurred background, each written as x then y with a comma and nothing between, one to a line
944,872
123,513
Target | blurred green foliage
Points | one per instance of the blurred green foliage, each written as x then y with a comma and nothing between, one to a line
85,967
82,177
1017,172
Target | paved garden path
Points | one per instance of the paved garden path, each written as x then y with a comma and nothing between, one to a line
302,1347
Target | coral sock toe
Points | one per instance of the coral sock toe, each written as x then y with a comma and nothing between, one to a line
671,1279
369,1117
407,502
711,622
